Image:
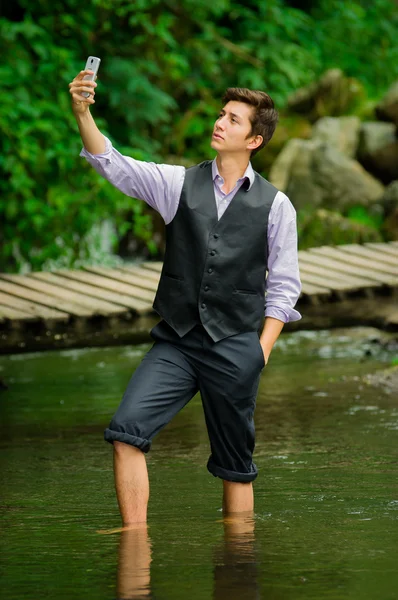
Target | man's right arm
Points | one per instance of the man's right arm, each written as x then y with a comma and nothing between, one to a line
158,185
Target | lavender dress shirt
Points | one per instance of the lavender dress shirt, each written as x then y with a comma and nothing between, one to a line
160,186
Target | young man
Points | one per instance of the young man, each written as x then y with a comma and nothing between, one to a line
226,227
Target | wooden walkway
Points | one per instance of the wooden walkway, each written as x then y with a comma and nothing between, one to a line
59,300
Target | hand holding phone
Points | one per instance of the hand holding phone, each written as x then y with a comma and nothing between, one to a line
92,64
82,88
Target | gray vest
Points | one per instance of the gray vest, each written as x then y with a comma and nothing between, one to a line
214,270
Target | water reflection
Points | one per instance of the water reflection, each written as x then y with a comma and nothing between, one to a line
235,562
135,556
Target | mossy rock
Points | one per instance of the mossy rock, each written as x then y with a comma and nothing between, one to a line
327,228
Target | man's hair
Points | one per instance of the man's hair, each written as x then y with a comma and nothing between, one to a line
264,117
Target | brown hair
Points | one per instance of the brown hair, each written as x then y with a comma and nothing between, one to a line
264,117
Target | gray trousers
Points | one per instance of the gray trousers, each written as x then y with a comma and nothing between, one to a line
226,373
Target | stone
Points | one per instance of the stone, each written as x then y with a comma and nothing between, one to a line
373,136
387,109
389,201
326,228
321,176
333,95
280,171
378,150
340,132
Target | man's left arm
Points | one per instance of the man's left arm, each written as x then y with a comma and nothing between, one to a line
283,284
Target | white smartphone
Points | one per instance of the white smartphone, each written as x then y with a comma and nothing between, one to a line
92,64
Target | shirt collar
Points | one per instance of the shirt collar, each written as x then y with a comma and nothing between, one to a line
248,174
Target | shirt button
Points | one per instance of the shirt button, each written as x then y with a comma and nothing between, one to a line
216,236
212,253
210,270
203,305
207,288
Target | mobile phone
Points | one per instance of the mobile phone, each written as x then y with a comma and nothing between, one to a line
92,64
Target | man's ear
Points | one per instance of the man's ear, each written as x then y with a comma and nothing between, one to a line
255,142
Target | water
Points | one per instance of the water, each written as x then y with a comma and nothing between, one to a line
326,513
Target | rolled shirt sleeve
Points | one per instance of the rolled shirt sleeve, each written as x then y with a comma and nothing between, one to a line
283,284
158,185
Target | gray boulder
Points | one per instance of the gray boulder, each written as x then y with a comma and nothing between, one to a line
340,132
378,150
315,175
387,109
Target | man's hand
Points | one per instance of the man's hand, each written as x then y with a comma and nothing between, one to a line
270,334
80,104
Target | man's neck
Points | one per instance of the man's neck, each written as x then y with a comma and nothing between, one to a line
231,168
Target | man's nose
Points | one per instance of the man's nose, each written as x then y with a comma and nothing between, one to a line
221,123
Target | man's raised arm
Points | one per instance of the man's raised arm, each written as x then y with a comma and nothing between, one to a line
92,138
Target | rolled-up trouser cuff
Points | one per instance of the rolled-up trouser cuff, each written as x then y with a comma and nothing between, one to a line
231,475
119,436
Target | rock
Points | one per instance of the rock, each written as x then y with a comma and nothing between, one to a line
389,202
387,109
387,379
333,95
280,171
323,227
340,132
374,136
378,150
321,176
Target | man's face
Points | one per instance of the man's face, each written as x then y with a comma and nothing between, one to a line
231,132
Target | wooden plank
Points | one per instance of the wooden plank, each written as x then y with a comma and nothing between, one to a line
357,249
140,305
45,299
96,307
146,288
372,278
354,259
36,310
319,282
87,289
384,249
141,271
153,266
334,281
6,312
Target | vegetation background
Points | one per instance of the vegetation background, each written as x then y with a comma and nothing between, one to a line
165,65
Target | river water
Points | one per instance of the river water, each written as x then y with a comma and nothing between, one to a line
326,499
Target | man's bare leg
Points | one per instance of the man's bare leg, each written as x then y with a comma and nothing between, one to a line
238,497
131,482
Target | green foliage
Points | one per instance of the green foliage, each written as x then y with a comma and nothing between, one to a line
164,68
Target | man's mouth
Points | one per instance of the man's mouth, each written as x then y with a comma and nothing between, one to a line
218,136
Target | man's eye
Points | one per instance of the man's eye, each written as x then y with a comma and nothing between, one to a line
234,120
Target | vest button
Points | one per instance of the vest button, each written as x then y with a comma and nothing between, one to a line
207,288
212,253
210,270
203,305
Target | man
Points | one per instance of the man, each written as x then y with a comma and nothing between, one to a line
226,227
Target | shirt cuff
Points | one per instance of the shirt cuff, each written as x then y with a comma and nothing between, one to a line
106,154
290,314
